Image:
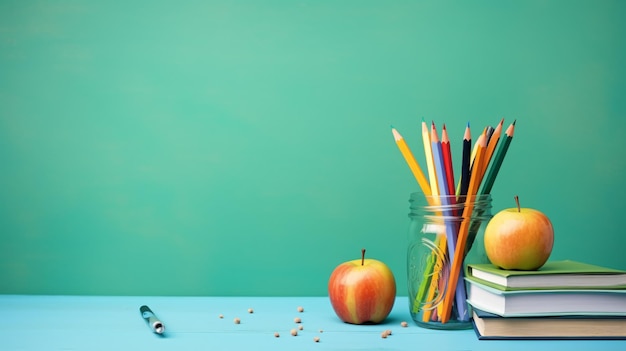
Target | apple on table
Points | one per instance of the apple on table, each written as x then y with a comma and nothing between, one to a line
362,291
519,238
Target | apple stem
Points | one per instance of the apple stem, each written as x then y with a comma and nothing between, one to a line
517,202
362,257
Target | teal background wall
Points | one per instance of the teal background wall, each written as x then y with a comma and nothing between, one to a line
244,147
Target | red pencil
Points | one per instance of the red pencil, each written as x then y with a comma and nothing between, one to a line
447,160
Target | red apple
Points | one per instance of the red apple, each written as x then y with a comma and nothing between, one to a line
519,238
362,291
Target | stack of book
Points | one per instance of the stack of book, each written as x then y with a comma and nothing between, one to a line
561,300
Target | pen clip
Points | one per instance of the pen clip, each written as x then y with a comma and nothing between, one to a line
155,324
146,312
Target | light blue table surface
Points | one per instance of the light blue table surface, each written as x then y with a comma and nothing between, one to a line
194,323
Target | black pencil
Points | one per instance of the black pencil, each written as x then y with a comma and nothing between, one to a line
465,165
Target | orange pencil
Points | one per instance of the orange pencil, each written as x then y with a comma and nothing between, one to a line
491,146
459,251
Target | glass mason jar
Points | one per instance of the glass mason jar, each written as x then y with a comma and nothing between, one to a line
435,222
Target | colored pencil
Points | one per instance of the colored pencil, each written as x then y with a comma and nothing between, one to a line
432,277
465,165
473,157
480,140
447,160
410,160
425,186
441,241
483,162
497,160
434,189
429,276
451,231
492,141
457,263
488,179
488,134
429,160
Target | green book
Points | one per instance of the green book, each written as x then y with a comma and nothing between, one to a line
553,275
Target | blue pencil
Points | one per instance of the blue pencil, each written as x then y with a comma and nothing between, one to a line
451,226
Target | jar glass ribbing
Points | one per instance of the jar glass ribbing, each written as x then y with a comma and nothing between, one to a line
432,220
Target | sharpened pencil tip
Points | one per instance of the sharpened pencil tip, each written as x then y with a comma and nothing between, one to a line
396,134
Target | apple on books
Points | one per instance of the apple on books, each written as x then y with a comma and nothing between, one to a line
362,291
519,238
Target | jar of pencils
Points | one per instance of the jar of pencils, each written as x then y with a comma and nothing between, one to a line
445,234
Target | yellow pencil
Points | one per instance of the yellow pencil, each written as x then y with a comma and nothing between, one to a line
428,152
457,264
473,157
441,240
410,160
421,180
